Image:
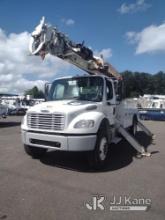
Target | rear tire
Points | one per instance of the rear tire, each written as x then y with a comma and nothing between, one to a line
98,158
35,152
133,128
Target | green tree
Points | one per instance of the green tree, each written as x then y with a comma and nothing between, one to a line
143,83
35,92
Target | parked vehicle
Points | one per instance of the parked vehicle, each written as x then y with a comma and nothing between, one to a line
82,113
153,110
3,111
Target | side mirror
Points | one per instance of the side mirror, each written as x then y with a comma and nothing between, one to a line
47,90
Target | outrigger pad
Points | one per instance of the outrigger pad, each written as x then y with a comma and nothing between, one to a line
144,154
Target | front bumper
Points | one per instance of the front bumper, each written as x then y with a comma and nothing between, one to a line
60,142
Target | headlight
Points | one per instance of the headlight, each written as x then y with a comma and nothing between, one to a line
84,124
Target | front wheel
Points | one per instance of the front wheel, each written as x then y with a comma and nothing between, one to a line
35,152
98,157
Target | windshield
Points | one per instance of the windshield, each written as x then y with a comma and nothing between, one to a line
80,88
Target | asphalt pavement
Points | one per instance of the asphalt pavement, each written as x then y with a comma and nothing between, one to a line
62,186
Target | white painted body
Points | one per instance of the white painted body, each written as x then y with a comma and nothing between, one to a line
71,138
152,102
158,104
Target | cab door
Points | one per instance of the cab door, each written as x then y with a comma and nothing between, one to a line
110,102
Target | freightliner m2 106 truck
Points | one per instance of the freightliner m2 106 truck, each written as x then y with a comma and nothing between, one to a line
82,113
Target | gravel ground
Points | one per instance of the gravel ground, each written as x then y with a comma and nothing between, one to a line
59,185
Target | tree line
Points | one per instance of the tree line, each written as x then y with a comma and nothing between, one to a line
35,93
135,84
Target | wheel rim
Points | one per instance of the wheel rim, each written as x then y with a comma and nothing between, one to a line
103,149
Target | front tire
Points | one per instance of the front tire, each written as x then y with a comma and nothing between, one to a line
35,152
98,157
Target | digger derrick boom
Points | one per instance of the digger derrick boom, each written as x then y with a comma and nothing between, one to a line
47,39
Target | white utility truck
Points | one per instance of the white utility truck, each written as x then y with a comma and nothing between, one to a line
82,113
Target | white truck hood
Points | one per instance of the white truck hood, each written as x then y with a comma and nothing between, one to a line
67,106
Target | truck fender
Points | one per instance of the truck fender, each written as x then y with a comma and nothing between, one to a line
106,126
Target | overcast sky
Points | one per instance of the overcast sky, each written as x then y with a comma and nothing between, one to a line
129,33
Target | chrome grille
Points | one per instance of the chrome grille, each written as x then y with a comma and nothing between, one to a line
54,121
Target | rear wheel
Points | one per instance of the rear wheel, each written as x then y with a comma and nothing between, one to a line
98,157
133,128
35,152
